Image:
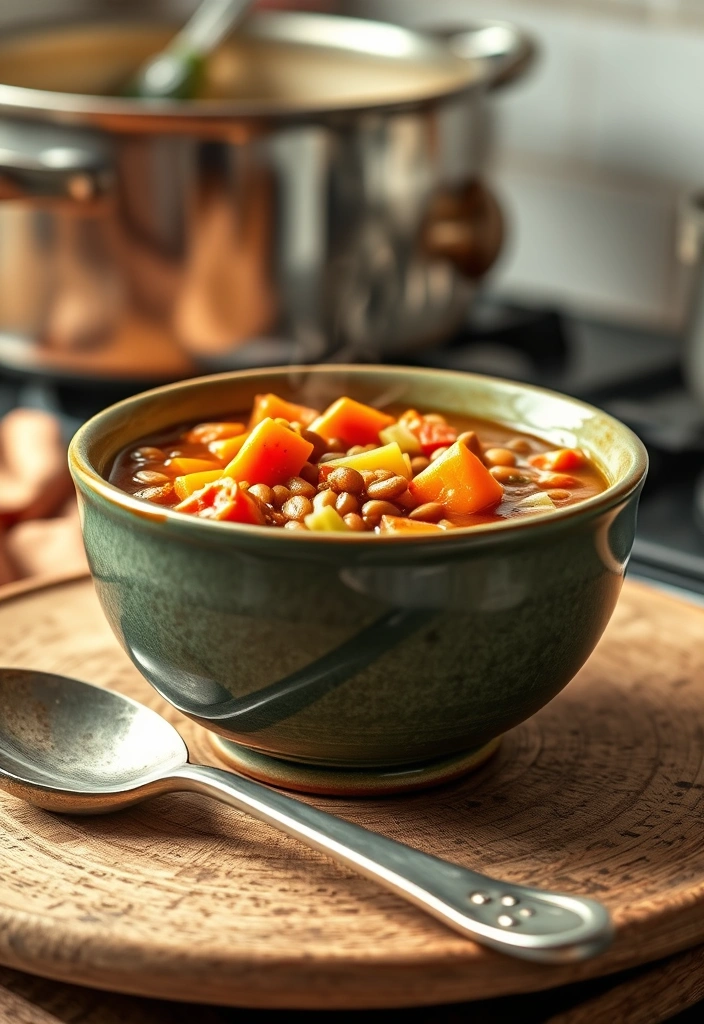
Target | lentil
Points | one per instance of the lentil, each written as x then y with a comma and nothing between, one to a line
148,454
323,498
151,476
346,503
263,492
388,488
346,479
279,495
430,512
297,507
372,511
438,452
418,464
470,440
499,457
354,522
297,485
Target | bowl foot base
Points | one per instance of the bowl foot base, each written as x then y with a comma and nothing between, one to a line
326,781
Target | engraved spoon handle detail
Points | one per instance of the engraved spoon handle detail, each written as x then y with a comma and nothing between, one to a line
532,924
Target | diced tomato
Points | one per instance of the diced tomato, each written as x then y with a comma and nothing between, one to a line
560,460
458,480
432,435
272,407
351,421
234,505
199,500
271,454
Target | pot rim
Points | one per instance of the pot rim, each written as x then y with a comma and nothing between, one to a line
383,40
85,473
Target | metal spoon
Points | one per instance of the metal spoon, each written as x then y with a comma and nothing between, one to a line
71,747
174,73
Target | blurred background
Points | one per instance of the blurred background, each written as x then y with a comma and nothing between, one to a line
513,187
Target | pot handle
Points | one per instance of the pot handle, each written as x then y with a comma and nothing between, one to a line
51,162
503,51
465,226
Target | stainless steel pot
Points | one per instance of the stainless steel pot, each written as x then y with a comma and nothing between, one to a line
337,203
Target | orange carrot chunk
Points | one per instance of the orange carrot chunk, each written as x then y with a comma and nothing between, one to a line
402,526
270,455
561,460
459,481
351,421
226,449
273,407
204,433
182,465
187,485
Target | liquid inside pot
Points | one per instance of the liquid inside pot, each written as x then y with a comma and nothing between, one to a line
258,65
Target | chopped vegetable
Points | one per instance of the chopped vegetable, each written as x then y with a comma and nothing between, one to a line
204,433
233,505
540,502
389,457
459,481
401,525
351,421
560,460
271,454
226,450
326,519
412,475
186,485
182,466
433,434
272,407
404,438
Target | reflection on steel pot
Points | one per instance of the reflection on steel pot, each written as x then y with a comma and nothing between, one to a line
326,188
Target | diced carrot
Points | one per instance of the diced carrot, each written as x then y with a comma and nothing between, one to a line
226,449
204,433
182,465
271,454
187,485
561,460
400,525
351,421
273,407
459,481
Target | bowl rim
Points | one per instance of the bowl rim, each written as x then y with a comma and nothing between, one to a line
84,472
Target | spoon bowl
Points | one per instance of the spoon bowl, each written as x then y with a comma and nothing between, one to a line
71,747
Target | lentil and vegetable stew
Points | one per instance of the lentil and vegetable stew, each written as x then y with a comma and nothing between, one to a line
354,468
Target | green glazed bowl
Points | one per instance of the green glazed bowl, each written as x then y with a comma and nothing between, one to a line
357,663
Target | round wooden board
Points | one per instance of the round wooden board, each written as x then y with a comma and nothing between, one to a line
600,793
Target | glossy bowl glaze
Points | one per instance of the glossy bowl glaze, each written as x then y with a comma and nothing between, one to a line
355,663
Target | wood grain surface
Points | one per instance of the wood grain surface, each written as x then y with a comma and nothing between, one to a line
182,898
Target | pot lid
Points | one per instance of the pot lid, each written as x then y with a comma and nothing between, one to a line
278,66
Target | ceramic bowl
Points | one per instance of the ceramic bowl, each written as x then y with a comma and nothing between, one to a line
356,663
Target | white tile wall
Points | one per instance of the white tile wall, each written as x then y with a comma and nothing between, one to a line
596,148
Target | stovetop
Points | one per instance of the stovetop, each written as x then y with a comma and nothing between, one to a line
635,375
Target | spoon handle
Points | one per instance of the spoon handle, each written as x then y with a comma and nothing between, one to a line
533,924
